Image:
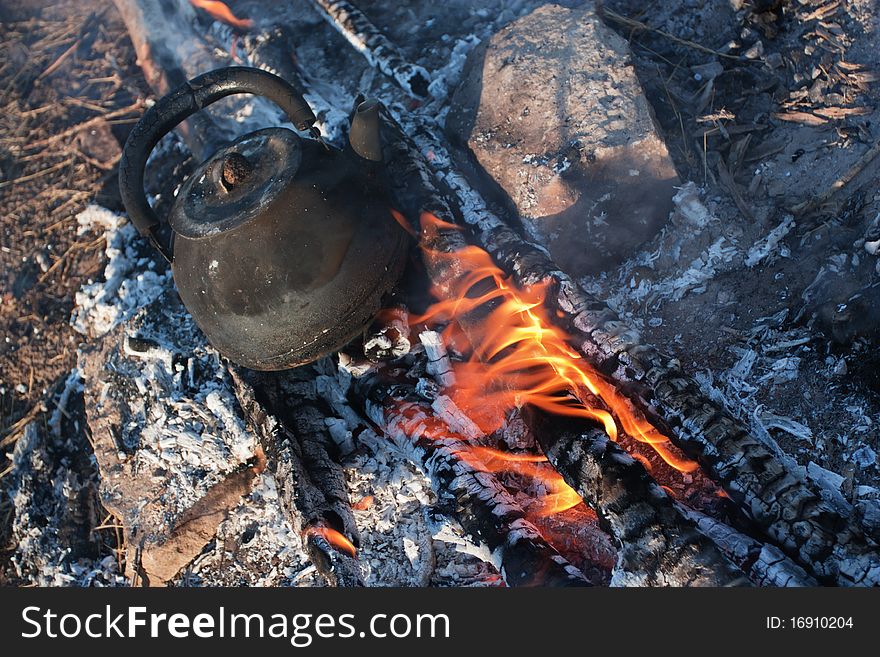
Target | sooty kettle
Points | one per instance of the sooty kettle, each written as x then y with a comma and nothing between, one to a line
282,248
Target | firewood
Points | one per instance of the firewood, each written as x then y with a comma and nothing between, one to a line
657,545
764,564
376,48
486,511
169,62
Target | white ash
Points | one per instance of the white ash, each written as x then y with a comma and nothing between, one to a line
194,437
254,546
764,247
439,365
403,543
130,280
695,234
42,488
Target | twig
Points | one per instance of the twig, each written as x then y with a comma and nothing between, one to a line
16,429
38,174
58,62
134,107
630,22
76,246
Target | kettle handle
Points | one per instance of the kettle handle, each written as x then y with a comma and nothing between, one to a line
181,103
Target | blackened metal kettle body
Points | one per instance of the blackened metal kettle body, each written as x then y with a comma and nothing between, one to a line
282,248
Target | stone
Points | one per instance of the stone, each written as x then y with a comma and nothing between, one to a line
552,110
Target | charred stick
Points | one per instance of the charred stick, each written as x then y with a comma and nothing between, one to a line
484,508
779,502
310,484
376,48
273,50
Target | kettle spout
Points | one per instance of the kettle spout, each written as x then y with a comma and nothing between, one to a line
364,135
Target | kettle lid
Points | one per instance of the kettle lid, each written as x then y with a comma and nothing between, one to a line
237,183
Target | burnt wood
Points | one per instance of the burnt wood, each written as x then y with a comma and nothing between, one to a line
779,502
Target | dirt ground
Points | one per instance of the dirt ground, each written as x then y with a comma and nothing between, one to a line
765,139
68,89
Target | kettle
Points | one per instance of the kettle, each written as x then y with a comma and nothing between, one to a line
281,247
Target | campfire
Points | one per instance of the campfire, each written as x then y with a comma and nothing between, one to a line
501,398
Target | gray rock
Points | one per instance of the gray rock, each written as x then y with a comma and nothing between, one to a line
552,110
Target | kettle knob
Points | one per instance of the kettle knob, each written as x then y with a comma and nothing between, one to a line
181,103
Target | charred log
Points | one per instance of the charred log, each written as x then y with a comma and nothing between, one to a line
764,564
376,48
657,546
310,483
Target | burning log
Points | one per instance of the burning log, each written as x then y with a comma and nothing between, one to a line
635,510
376,48
168,63
484,508
311,485
776,500
657,546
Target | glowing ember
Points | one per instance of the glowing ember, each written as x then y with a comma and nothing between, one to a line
518,357
221,12
334,538
364,503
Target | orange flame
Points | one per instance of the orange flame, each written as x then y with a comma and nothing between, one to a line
559,496
219,11
334,538
517,356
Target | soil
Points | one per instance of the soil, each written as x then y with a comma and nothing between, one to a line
64,65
